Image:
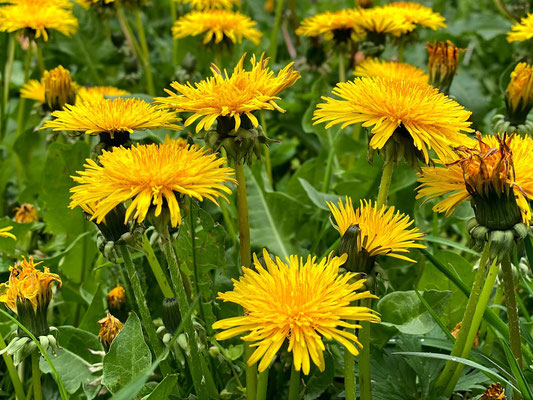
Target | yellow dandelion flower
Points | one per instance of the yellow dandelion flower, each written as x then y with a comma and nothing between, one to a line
37,16
390,69
217,25
112,116
519,93
382,231
33,90
99,92
212,4
417,14
430,119
28,284
235,97
340,25
4,232
150,175
382,21
301,301
109,328
443,60
59,88
116,298
521,31
26,213
484,174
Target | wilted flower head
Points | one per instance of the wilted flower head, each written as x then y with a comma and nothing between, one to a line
26,213
219,26
442,64
116,298
390,69
300,301
59,89
494,392
151,176
109,329
417,14
521,31
519,94
4,232
36,17
339,26
96,93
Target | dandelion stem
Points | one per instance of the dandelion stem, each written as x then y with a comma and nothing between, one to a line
7,80
145,53
268,163
329,163
512,312
17,384
174,17
342,68
246,260
476,322
386,177
40,60
471,305
401,50
22,101
158,272
349,371
128,33
183,305
273,49
365,381
36,376
148,323
294,385
262,385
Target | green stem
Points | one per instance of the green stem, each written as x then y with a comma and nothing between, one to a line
36,376
273,50
329,164
148,323
268,163
342,68
22,101
386,178
294,385
262,385
88,59
7,80
17,384
146,53
349,371
474,327
40,60
183,305
504,10
512,312
229,223
365,378
448,371
401,51
174,17
128,33
158,272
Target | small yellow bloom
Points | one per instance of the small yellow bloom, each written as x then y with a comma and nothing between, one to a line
300,301
382,21
417,14
442,64
116,298
109,329
521,31
150,175
96,93
26,213
4,232
37,17
234,97
519,93
390,69
28,284
218,26
409,110
59,89
33,90
494,392
112,116
211,4
340,25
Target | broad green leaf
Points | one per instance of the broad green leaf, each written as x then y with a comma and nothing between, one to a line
82,343
320,381
128,356
318,198
95,311
164,389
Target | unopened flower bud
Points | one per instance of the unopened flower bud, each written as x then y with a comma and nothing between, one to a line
519,95
442,64
59,89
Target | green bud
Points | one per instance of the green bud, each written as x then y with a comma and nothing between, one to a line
358,260
171,314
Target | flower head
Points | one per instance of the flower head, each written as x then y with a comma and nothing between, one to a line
26,213
218,26
519,94
497,174
494,392
212,4
301,301
37,17
390,69
382,21
4,233
521,31
109,329
112,116
417,14
33,90
59,89
150,175
339,26
233,96
442,64
96,93
116,298
409,112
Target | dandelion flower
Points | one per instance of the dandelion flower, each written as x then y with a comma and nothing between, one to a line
494,392
4,232
33,90
59,88
521,31
390,69
96,93
486,175
404,109
150,175
301,301
112,116
340,25
37,17
116,298
212,4
234,97
218,26
519,94
381,21
109,328
417,14
443,60
26,213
